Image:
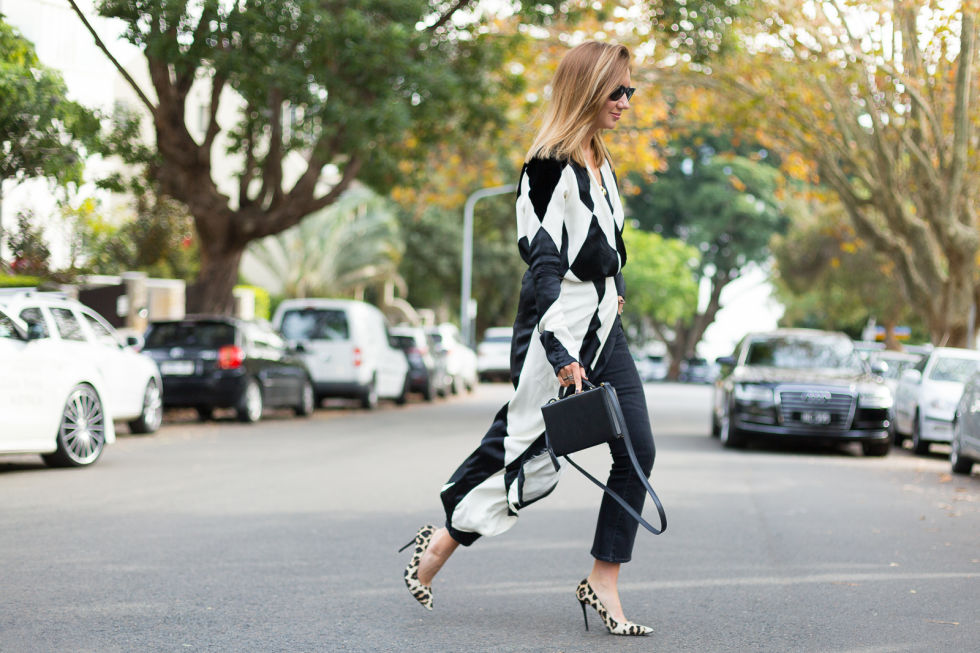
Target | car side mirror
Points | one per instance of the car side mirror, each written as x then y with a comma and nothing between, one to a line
879,368
912,376
726,361
35,331
134,341
297,347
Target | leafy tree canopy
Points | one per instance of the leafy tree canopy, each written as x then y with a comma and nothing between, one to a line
42,133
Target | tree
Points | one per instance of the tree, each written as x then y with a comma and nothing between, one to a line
338,251
322,94
827,277
721,202
31,257
42,132
661,283
880,98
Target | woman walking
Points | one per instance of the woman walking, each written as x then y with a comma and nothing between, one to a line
569,223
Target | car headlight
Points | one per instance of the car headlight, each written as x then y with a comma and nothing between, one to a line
876,397
754,393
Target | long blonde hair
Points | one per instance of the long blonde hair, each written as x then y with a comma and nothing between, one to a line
586,76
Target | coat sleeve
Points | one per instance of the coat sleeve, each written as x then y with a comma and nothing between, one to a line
541,213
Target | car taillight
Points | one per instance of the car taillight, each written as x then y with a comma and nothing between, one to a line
230,357
357,356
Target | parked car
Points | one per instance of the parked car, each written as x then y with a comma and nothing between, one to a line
347,348
131,380
927,396
51,401
493,354
461,362
210,362
800,383
965,448
698,370
895,362
426,361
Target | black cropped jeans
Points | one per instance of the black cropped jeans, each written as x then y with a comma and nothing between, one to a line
615,529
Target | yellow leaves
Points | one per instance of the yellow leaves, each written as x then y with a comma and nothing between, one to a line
795,165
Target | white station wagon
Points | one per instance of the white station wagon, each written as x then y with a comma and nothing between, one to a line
131,380
51,403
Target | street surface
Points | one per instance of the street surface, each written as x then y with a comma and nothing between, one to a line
282,536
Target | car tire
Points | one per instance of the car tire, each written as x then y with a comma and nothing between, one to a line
307,400
250,404
961,464
731,437
428,392
205,413
897,438
152,416
457,385
877,448
81,431
715,425
369,396
402,398
919,446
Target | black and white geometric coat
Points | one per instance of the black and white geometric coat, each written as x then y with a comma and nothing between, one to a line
570,235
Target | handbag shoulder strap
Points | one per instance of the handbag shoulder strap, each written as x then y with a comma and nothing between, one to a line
627,507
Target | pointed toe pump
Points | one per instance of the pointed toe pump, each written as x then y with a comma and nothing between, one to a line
587,596
422,593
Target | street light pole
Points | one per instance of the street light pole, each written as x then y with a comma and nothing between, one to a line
465,319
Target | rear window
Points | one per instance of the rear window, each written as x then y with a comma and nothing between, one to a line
403,342
315,324
206,335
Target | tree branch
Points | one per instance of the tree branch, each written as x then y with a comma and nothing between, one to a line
122,71
443,19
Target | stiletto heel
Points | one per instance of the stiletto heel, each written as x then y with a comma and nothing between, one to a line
587,596
422,593
585,616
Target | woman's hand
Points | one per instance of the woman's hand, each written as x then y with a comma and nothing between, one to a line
622,303
572,374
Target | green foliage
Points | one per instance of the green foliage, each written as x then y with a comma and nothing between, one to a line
19,281
42,133
336,252
31,255
159,240
263,301
661,283
721,201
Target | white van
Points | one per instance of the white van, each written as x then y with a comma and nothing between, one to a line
346,347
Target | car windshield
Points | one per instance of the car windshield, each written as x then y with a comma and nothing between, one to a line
954,369
403,342
207,335
500,338
315,324
804,353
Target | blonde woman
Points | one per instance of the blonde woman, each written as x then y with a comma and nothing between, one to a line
569,223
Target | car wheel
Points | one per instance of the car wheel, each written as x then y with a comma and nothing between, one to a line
897,438
402,398
715,425
152,415
249,408
307,400
205,413
961,464
457,385
369,397
876,448
919,446
428,393
81,433
730,436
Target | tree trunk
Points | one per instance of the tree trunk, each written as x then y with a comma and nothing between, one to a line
211,293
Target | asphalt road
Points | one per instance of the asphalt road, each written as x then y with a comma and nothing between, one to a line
281,536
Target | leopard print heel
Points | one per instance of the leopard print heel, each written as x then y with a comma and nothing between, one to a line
422,593
587,596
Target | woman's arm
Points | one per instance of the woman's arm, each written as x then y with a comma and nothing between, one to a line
541,211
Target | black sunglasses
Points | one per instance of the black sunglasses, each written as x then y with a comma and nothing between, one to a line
618,93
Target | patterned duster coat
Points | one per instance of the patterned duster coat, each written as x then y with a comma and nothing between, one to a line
569,227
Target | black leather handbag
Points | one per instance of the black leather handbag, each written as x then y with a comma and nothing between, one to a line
579,420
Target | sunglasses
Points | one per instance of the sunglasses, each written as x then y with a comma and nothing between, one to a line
618,93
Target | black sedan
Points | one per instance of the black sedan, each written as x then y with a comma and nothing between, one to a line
210,362
801,383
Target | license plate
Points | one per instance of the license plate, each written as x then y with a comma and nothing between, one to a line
815,417
177,368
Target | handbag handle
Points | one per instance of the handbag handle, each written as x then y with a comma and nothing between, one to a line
620,500
569,390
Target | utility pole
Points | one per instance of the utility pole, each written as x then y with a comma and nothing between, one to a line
465,317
